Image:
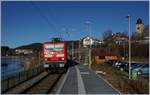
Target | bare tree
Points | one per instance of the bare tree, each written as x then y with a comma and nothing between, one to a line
107,34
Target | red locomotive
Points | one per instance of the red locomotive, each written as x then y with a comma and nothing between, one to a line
54,55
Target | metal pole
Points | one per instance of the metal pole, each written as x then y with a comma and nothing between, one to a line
90,51
124,50
71,44
90,63
39,58
88,30
79,51
72,49
129,47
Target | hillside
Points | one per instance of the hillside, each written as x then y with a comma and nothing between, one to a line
34,46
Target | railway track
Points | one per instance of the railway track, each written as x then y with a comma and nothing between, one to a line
42,84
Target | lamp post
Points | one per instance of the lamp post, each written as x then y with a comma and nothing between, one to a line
72,49
79,51
89,30
71,44
129,46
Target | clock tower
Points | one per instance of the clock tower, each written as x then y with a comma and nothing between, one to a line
139,26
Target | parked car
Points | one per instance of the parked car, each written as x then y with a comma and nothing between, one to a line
143,69
118,63
133,66
123,66
137,65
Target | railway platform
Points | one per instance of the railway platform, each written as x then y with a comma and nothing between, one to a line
80,80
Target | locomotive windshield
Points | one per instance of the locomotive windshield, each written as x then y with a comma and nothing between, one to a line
54,47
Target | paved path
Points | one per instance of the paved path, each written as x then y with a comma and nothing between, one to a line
80,80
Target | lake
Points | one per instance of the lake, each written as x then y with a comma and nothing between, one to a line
10,66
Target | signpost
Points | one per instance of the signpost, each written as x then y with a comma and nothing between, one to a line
88,42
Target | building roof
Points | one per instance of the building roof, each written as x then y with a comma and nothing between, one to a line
94,39
139,21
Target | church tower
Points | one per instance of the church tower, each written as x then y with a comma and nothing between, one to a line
139,26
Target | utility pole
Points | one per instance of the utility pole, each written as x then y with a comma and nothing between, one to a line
39,58
72,49
129,46
72,46
124,54
79,50
89,31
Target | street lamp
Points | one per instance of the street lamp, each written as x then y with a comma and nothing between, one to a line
129,46
79,51
89,30
72,46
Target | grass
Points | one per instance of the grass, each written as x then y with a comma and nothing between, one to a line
120,80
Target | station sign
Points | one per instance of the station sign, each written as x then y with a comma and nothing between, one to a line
87,41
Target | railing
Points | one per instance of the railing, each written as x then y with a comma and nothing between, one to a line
22,76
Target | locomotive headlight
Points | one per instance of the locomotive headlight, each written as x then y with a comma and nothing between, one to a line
62,58
52,53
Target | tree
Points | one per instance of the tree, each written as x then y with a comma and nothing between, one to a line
107,34
125,34
4,50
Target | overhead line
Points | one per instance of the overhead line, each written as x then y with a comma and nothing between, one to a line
44,17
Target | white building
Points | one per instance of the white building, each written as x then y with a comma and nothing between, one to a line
87,41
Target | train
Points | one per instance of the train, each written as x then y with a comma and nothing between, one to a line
54,55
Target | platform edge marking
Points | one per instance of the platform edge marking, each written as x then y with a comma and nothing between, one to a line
81,88
63,82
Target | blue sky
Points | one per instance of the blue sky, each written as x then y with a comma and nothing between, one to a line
29,22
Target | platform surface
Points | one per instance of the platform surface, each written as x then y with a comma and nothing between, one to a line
81,80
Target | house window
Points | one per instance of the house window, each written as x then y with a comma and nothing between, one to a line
101,57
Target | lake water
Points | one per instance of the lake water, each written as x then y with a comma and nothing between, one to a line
10,66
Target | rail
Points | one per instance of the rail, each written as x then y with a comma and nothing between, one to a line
43,86
20,77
